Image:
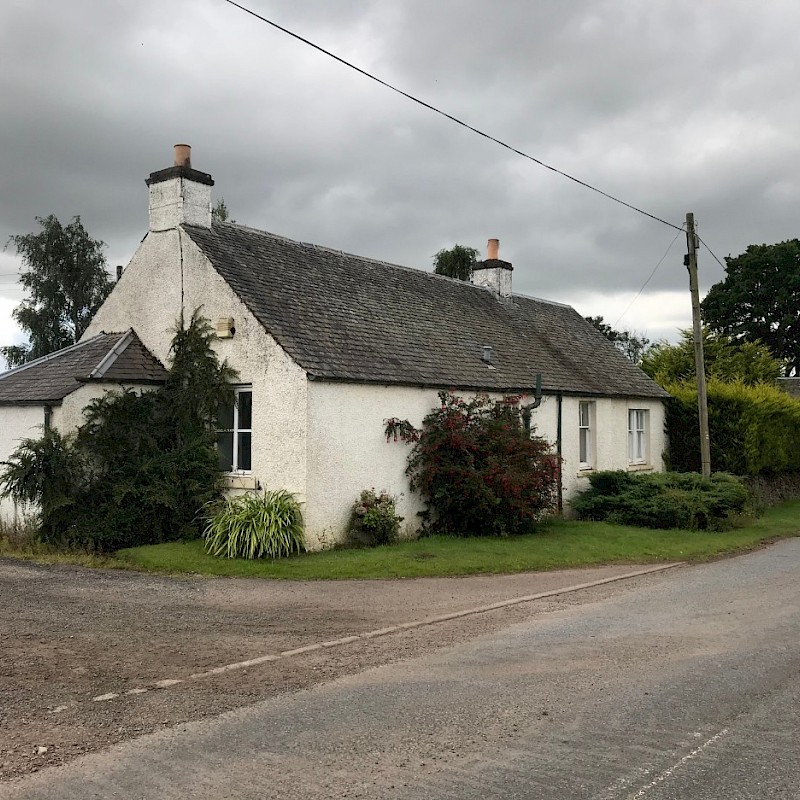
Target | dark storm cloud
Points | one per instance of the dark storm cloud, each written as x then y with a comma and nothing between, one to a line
670,105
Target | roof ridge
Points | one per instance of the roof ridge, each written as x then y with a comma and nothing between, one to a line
366,259
56,354
543,300
112,355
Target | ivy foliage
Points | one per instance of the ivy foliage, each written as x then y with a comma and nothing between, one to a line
141,467
476,469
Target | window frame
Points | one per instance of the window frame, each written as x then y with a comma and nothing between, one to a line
638,436
236,430
587,425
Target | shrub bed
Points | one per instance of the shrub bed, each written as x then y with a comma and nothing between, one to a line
373,520
662,500
141,467
477,468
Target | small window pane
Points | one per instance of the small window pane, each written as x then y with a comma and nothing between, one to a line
244,442
584,446
583,413
225,417
225,450
245,404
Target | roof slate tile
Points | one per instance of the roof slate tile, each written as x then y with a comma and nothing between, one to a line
51,378
347,318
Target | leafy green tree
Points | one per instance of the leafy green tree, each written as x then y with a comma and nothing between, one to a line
458,262
759,300
66,281
220,212
631,344
725,360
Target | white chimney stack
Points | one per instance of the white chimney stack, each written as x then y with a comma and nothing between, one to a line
493,273
180,195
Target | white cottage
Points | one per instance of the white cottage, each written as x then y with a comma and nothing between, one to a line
329,345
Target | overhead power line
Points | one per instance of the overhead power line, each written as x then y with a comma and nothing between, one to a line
649,278
713,255
449,116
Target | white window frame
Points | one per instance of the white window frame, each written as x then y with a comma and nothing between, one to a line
586,434
638,425
236,430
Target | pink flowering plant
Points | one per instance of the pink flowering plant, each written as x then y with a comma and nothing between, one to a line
478,471
374,519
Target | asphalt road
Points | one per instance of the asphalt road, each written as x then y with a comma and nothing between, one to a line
684,687
69,635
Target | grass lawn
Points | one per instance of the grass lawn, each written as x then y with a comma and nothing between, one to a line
562,544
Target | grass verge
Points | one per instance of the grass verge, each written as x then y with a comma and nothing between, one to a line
562,544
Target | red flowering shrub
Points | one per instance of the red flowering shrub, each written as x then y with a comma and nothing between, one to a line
478,472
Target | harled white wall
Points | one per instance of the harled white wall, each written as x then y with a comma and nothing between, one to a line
17,423
348,452
169,274
610,438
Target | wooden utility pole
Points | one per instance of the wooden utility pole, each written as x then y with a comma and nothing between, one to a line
700,367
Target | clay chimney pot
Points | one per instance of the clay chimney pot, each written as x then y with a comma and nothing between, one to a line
492,249
183,155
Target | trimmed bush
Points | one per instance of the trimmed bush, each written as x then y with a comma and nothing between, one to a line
256,525
754,429
662,500
373,520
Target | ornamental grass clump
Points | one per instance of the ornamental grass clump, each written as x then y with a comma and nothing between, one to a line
373,520
256,526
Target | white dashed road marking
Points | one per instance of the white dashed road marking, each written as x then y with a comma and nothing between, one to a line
309,648
667,773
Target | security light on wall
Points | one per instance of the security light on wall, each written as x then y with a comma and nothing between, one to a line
225,328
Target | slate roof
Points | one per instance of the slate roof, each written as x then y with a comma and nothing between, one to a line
108,357
347,318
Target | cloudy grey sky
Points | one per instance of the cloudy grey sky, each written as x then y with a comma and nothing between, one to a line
672,105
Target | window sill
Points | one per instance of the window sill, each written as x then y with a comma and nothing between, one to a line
239,480
640,467
584,472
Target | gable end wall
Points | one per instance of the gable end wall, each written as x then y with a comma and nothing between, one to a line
169,274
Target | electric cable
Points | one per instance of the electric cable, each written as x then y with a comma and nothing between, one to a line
713,255
449,116
649,278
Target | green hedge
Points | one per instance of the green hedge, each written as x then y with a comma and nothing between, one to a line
662,499
755,430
